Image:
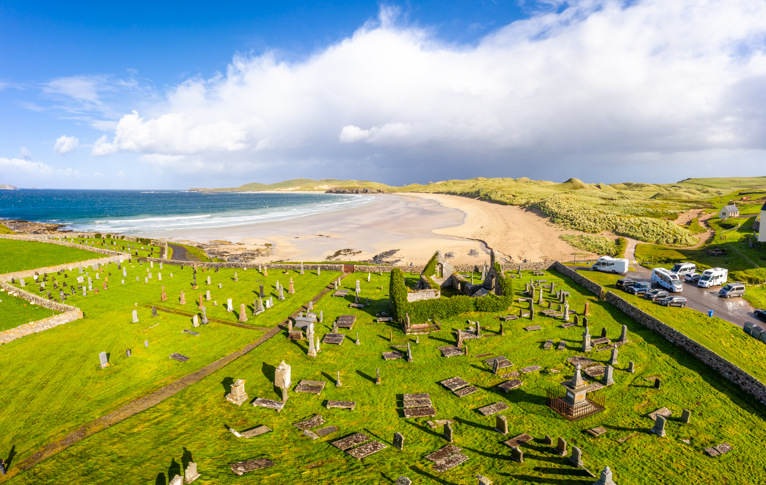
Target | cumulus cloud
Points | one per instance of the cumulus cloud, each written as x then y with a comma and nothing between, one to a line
598,78
65,144
20,164
25,154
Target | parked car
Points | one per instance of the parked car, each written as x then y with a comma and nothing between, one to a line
624,283
732,290
761,314
716,252
639,288
655,295
692,278
679,301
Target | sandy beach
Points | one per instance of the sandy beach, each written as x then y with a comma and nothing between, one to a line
415,225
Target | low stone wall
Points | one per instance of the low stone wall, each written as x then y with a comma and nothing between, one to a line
29,273
423,295
37,300
39,326
729,371
581,280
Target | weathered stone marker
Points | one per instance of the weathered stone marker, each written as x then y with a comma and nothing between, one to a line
135,316
686,416
282,378
501,424
657,383
608,379
103,359
631,367
517,454
237,395
605,478
448,432
561,447
576,458
613,358
659,426
242,313
398,441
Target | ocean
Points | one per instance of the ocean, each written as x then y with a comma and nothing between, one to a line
136,212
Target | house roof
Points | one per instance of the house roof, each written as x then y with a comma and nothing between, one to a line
731,208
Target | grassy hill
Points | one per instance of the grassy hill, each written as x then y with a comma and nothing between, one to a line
302,185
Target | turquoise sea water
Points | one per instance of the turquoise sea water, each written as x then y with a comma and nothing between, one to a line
137,212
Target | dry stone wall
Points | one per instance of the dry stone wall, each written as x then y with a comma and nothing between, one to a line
728,370
40,325
37,300
581,280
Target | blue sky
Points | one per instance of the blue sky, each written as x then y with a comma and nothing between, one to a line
173,95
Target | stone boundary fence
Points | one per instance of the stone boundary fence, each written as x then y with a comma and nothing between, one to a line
728,370
40,325
581,280
28,273
37,300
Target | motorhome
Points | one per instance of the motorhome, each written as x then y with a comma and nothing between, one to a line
683,269
713,277
611,265
667,279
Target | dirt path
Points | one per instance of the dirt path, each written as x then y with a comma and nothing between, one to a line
145,402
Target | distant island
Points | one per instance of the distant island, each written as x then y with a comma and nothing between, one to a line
8,187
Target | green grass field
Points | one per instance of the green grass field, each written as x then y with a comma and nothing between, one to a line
68,386
22,255
137,249
152,446
17,311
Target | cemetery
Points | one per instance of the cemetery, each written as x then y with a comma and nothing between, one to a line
577,395
33,254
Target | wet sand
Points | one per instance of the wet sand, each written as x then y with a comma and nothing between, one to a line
414,224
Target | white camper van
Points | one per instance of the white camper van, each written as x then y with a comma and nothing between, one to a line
683,269
667,279
713,277
611,265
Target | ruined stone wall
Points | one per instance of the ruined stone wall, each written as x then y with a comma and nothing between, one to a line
40,325
37,300
728,370
581,280
29,273
423,295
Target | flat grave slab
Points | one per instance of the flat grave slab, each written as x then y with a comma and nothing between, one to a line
509,317
333,338
561,346
439,422
510,385
599,341
450,351
242,467
178,357
341,405
595,370
341,293
567,325
326,431
518,440
597,431
580,359
252,433
665,412
454,383
626,438
356,305
419,412
594,386
393,355
344,320
548,312
385,319
312,422
493,408
186,330
465,391
451,462
310,434
531,368
310,387
366,449
268,403
442,454
482,355
533,328
548,344
417,403
296,335
351,441
420,395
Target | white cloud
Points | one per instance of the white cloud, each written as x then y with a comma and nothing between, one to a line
66,144
19,164
25,154
596,78
81,88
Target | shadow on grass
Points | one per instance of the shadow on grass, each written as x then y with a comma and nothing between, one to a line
474,424
425,429
430,476
226,383
493,456
160,480
174,468
391,480
9,460
369,378
186,459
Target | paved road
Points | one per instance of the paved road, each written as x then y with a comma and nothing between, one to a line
179,253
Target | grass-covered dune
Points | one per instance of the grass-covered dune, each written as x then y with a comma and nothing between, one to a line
155,444
18,255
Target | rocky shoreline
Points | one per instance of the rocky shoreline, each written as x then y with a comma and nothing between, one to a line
25,227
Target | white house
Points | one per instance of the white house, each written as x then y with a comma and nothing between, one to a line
760,225
728,211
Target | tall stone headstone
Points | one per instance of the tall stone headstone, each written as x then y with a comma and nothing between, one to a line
686,416
291,290
586,347
516,454
229,306
398,441
605,478
501,424
283,378
207,295
135,316
613,358
448,432
659,426
182,299
204,316
195,321
377,379
624,334
261,293
281,295
608,379
631,367
103,360
561,447
358,287
242,313
154,311
576,458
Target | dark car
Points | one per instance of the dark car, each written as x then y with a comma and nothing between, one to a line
678,301
761,314
655,295
639,288
624,283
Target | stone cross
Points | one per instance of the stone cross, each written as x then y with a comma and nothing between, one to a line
576,458
608,379
501,424
659,426
135,316
561,447
398,441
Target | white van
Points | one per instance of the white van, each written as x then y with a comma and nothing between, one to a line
683,269
667,279
713,277
611,265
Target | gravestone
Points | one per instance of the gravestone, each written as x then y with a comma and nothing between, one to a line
501,424
657,383
605,478
135,316
608,379
242,313
624,334
237,395
229,306
448,432
576,458
561,447
207,295
103,359
127,353
613,358
517,454
659,426
204,316
146,343
586,341
154,311
686,416
631,367
195,321
398,441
